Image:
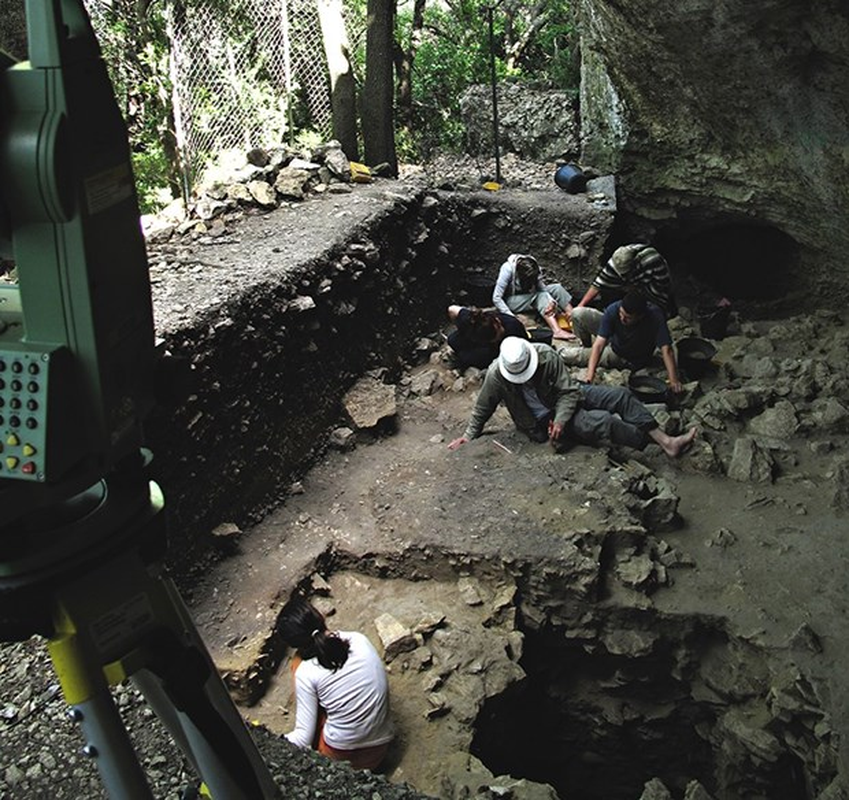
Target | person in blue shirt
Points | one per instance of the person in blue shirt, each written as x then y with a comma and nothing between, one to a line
634,329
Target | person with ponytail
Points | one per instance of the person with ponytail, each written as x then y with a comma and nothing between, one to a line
341,690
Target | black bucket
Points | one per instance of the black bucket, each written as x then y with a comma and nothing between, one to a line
713,321
478,290
648,389
570,178
543,335
695,356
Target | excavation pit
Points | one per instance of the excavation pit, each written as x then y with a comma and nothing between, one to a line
593,712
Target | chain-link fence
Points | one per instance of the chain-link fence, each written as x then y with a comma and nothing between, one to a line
243,73
249,73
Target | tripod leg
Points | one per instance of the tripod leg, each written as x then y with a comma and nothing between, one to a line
136,625
107,742
190,698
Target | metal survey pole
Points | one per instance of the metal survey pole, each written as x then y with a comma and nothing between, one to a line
489,12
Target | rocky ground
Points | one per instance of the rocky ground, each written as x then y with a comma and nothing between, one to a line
457,564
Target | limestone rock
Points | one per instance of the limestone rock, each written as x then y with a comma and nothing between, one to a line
338,164
635,571
227,530
701,457
778,422
756,740
829,414
343,439
240,193
263,193
527,125
839,487
464,776
425,383
469,589
656,127
301,303
632,643
695,791
750,462
369,401
395,637
655,790
291,183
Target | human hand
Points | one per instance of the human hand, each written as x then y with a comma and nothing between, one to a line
550,309
458,442
675,386
555,431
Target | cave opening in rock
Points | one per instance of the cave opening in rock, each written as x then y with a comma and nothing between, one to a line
599,720
742,261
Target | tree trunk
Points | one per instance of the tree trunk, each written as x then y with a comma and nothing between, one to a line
404,66
377,113
342,89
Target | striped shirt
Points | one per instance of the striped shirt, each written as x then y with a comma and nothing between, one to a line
648,272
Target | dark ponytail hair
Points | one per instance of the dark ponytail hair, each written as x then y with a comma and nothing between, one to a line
302,626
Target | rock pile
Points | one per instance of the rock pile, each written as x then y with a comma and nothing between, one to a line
260,179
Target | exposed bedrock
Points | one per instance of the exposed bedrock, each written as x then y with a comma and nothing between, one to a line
726,124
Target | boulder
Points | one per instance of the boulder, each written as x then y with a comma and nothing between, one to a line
750,462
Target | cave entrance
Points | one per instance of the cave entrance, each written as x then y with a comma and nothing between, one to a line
742,261
598,725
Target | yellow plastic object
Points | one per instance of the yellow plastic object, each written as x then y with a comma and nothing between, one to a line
564,322
360,173
492,186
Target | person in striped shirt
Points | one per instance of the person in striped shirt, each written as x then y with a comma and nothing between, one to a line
637,266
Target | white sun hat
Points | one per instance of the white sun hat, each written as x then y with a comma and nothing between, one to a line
517,359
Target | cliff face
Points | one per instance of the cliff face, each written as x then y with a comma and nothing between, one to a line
727,124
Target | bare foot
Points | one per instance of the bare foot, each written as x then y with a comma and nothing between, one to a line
565,335
678,445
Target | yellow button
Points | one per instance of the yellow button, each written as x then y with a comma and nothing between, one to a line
11,462
13,441
28,450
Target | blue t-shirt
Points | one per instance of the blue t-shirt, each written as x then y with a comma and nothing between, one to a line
637,342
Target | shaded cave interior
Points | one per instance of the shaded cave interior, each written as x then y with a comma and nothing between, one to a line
600,725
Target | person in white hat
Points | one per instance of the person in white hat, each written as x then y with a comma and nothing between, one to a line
545,403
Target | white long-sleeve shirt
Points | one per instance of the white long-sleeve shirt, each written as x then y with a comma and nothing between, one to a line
355,699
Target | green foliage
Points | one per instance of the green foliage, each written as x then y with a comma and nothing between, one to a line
240,103
454,54
150,166
136,50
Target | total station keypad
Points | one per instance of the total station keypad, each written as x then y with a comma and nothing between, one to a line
23,392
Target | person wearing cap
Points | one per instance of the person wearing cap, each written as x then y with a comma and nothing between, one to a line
546,404
634,328
341,689
521,288
479,333
637,266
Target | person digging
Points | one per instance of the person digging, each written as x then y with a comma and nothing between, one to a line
547,405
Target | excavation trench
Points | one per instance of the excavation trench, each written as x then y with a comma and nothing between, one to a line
530,583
